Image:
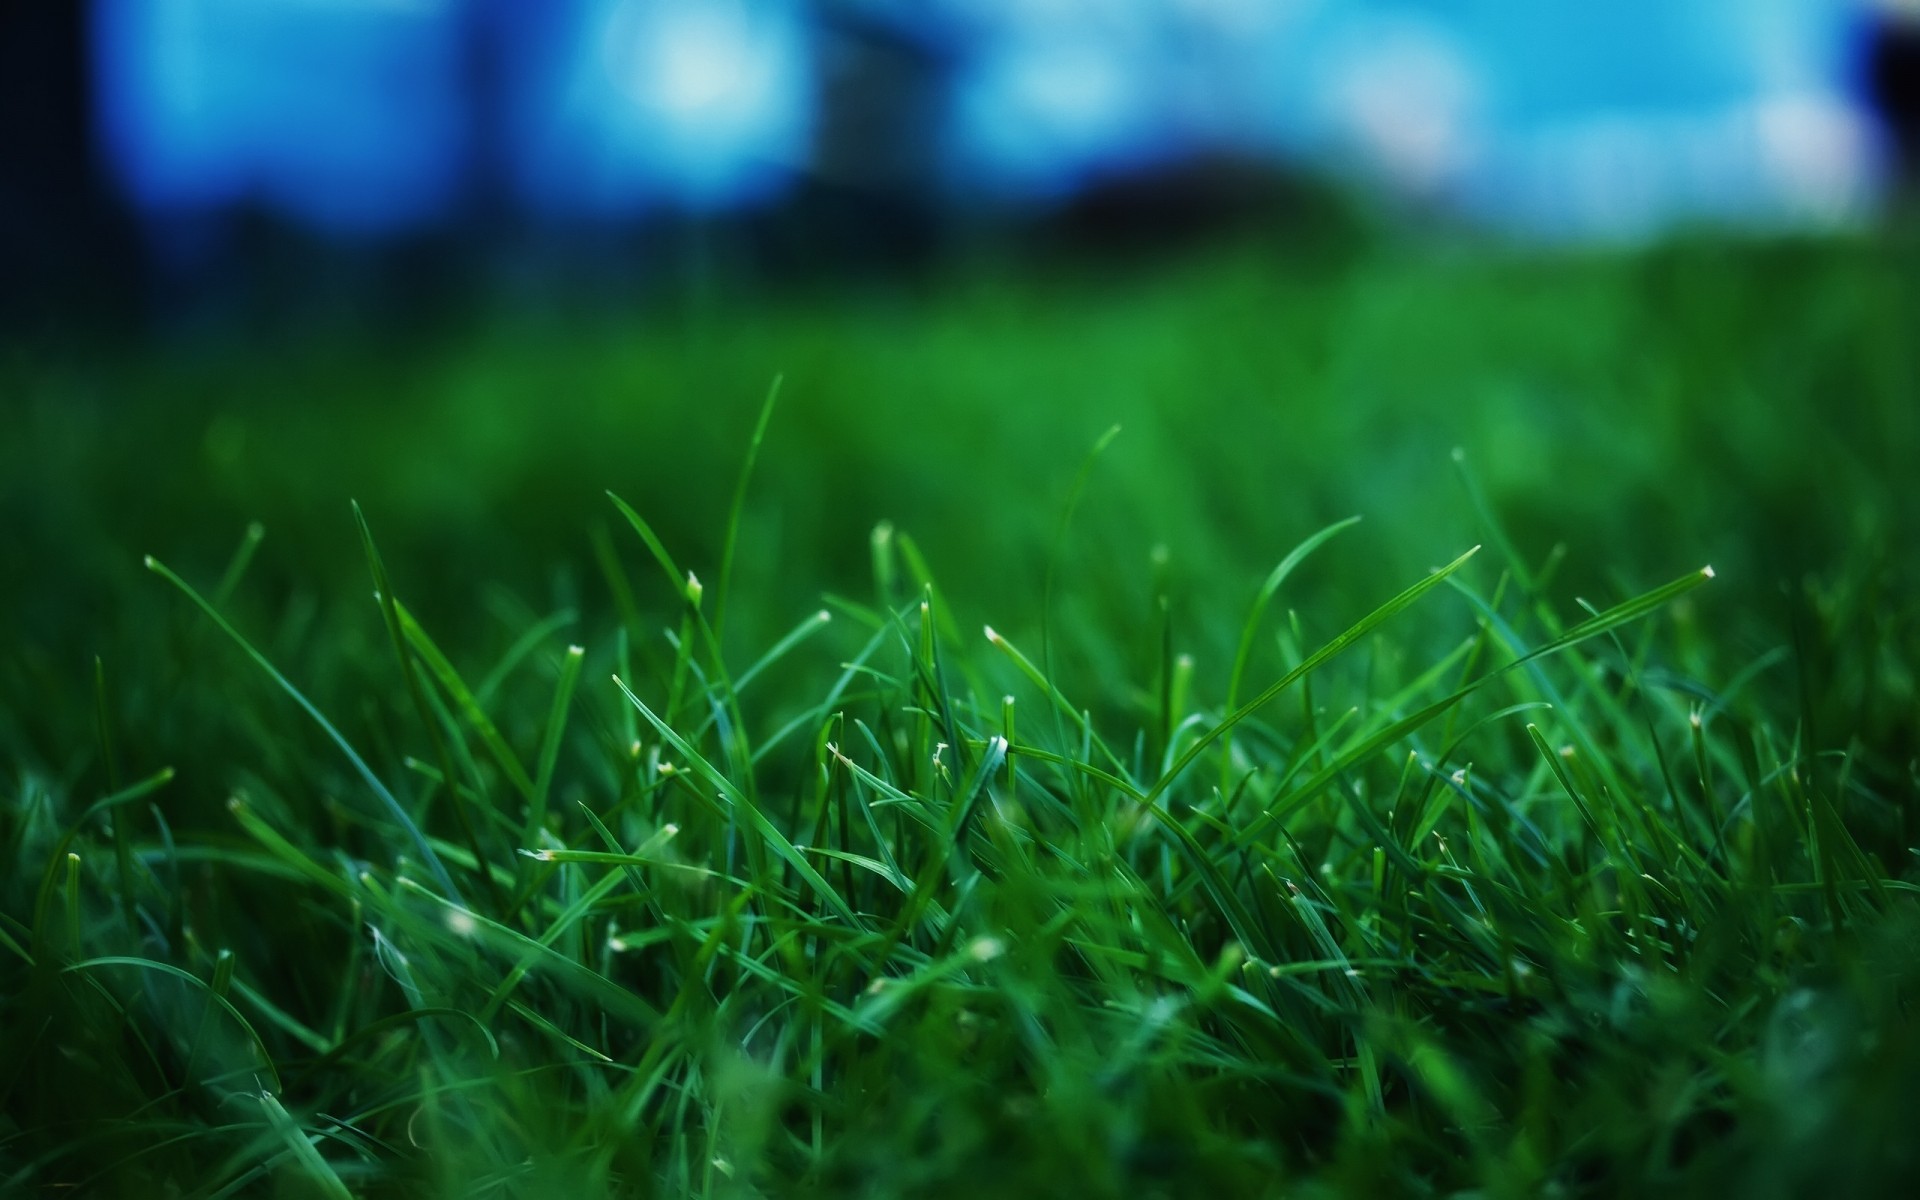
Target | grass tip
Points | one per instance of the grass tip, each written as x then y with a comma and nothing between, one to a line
150,562
1706,572
576,651
538,855
823,616
694,589
993,637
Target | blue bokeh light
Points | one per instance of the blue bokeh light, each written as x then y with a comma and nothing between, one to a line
344,114
368,116
619,106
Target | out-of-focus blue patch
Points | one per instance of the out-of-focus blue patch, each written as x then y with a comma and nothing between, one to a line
346,114
1043,110
1619,119
620,106
1563,119
1566,119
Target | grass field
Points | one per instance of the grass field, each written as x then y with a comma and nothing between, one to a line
941,793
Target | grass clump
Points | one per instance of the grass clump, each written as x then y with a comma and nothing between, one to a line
1318,878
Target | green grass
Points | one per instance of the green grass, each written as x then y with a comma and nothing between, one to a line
501,836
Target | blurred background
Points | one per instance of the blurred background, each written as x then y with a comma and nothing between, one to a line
1644,263
167,161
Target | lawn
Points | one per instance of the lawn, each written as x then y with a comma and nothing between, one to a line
791,744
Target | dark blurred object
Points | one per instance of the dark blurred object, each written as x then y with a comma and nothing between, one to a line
1177,207
66,245
1893,84
869,200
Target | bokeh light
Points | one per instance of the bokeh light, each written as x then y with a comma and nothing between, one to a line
364,116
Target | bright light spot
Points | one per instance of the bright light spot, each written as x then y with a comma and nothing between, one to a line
1817,152
986,949
698,99
1406,98
1074,91
705,67
688,60
1053,104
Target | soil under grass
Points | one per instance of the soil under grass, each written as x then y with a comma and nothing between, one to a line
502,837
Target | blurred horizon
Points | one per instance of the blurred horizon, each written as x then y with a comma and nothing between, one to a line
169,155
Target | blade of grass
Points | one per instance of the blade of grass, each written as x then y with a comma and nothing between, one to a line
387,800
1251,627
316,1168
1312,662
550,744
389,612
739,505
767,833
